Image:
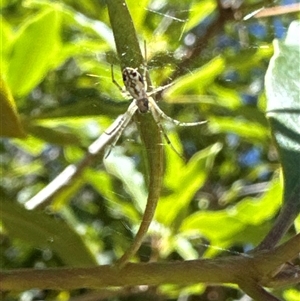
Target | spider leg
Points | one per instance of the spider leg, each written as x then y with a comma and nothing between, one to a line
114,81
160,89
121,126
145,68
161,115
157,117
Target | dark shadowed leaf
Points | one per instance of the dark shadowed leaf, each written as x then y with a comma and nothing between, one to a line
10,122
42,231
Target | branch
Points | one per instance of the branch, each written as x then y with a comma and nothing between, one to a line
284,221
256,291
257,270
183,273
217,25
278,256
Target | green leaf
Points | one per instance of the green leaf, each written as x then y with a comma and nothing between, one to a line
124,168
31,145
59,135
64,131
225,97
240,222
283,107
197,82
291,294
192,177
7,36
251,131
103,183
184,247
33,51
10,121
253,211
41,231
297,224
138,12
199,11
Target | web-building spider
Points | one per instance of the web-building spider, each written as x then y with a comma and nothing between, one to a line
136,85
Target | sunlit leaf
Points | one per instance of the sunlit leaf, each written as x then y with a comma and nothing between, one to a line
65,131
138,12
230,225
184,247
297,224
255,210
291,294
7,36
33,51
248,130
192,177
226,97
30,145
197,81
283,107
198,12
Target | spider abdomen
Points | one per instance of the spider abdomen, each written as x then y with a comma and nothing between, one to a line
134,84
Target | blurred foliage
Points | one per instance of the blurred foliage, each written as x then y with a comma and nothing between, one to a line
222,199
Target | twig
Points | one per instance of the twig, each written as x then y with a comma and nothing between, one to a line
274,11
71,172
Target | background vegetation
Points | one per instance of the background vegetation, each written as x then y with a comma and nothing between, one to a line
221,200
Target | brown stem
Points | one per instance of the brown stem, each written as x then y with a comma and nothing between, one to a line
237,269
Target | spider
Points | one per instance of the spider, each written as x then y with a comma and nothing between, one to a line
136,86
